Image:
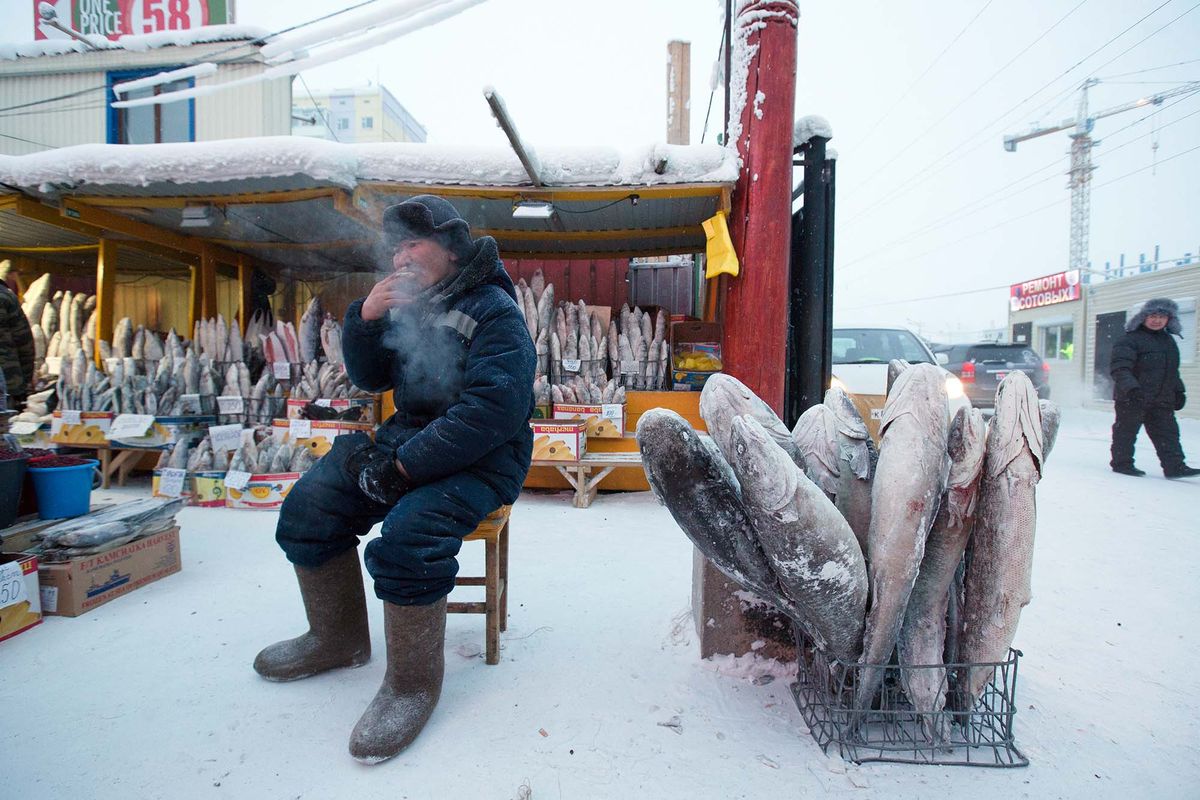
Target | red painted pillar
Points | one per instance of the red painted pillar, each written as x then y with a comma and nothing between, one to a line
756,302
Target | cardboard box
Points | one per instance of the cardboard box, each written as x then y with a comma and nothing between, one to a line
559,441
20,599
85,428
604,421
77,586
364,408
205,489
321,433
542,412
695,354
264,492
167,431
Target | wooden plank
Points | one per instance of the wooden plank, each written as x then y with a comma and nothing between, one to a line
106,293
245,267
208,282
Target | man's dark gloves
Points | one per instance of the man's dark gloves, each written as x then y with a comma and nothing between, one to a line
1180,401
1136,397
374,469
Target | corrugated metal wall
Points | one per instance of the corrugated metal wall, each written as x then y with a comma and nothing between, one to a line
599,282
1177,283
78,119
668,283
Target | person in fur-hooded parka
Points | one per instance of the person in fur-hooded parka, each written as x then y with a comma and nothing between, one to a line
1147,388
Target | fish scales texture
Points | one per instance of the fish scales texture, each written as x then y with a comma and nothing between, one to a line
857,459
698,487
809,544
923,636
815,437
909,480
999,578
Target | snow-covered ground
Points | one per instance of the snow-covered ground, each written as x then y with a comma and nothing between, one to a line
152,695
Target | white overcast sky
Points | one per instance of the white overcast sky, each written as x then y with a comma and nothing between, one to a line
922,203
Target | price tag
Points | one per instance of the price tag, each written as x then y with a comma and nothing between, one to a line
12,585
235,479
189,403
631,368
54,365
299,429
170,482
325,402
282,370
25,428
229,404
130,426
225,437
877,413
571,364
611,410
71,418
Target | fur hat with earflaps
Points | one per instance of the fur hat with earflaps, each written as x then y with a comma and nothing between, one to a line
427,216
1157,305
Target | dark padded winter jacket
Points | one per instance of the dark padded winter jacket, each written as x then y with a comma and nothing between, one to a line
461,374
16,347
1147,361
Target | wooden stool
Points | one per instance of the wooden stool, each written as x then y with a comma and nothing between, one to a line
493,531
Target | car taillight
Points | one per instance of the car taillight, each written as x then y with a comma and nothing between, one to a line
968,372
1046,369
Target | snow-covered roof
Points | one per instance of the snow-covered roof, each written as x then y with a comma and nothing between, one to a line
349,164
11,51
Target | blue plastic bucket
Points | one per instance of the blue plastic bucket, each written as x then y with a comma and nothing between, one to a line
64,491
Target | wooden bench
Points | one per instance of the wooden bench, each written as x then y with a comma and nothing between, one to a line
493,532
585,474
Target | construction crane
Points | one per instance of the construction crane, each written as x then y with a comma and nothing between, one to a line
1081,157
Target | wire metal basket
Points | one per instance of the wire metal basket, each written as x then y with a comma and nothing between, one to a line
977,733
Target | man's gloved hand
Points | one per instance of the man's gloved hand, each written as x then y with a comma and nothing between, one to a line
1180,401
1135,396
374,470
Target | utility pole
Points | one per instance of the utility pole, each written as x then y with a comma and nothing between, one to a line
679,92
1080,175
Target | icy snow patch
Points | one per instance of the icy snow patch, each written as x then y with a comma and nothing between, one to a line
10,51
751,666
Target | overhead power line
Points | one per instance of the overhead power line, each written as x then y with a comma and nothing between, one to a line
922,175
919,78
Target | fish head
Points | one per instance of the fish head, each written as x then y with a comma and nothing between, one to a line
722,398
967,445
767,475
849,420
1016,424
1051,417
920,391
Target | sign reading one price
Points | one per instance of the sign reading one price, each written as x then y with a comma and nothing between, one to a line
116,18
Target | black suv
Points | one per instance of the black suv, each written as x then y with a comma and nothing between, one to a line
981,367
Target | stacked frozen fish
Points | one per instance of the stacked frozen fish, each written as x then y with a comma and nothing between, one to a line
61,322
579,360
860,547
105,530
258,452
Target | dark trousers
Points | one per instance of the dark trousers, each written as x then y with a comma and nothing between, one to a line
1160,426
413,562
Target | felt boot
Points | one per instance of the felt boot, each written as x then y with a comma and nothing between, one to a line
416,637
337,636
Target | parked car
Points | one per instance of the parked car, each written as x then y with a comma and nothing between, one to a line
982,365
860,365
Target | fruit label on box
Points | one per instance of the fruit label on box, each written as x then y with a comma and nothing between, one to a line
235,479
230,405
170,482
130,426
612,411
225,437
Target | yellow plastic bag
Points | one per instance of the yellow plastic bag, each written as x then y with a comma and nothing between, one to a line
722,258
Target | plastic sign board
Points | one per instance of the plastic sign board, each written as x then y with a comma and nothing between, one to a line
1061,287
115,18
